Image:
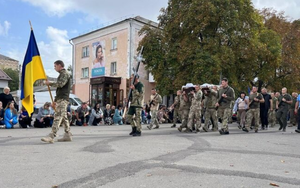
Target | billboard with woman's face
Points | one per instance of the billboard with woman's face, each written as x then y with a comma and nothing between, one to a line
99,61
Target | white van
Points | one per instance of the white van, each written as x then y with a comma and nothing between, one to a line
42,97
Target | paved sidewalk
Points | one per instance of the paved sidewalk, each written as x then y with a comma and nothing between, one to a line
105,156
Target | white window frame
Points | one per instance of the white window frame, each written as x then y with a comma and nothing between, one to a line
114,43
85,52
85,72
113,68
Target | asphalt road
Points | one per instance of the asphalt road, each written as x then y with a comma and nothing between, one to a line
105,156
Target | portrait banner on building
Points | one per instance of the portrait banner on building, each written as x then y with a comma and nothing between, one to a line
98,68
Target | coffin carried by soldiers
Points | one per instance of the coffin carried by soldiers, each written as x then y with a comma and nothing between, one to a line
188,88
206,86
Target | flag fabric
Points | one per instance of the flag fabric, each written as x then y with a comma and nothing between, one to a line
32,70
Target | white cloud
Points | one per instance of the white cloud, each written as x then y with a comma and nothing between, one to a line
114,9
4,28
58,48
102,10
290,7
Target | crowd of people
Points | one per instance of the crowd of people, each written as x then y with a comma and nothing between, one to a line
196,108
202,108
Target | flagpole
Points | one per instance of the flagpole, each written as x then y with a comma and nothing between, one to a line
47,79
30,25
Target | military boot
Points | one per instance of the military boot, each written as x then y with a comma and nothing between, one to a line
66,138
49,138
133,131
205,129
150,126
137,133
173,126
284,129
188,130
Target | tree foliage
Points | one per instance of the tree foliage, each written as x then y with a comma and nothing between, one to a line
14,75
198,41
287,73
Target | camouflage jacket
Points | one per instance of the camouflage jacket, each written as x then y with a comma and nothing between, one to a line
211,99
185,105
196,100
177,102
138,95
157,100
63,85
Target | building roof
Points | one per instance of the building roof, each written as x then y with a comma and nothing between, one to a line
3,57
4,76
137,18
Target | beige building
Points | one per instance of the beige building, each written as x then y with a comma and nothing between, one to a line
103,60
7,62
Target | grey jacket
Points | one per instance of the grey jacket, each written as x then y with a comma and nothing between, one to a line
95,115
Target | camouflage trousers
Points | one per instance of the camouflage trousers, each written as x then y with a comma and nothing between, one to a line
225,114
154,119
176,116
134,116
252,113
211,114
195,114
184,117
272,118
61,117
293,117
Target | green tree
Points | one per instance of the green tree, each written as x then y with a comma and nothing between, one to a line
14,75
287,73
199,40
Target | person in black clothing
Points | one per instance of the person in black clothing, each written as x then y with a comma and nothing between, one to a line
264,108
6,97
1,116
24,119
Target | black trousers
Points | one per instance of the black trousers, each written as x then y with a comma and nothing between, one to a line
25,121
264,117
44,124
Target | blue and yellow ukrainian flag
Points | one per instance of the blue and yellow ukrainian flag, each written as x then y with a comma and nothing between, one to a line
32,71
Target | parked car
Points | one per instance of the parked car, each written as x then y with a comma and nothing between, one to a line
42,97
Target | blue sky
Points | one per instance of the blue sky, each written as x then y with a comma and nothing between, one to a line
56,21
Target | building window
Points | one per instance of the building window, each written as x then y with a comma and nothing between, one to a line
114,43
85,52
85,72
113,68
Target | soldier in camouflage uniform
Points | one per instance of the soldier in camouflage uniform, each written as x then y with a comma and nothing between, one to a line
60,104
293,116
175,106
272,113
195,110
155,100
255,99
185,104
211,112
225,96
136,107
283,103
